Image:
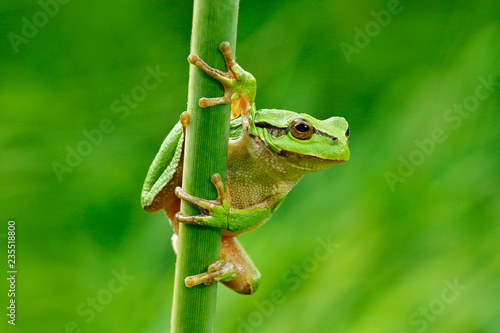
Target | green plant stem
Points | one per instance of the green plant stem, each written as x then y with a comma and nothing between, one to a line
206,145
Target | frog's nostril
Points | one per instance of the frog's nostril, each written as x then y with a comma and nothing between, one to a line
335,139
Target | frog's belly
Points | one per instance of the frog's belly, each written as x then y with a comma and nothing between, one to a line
255,177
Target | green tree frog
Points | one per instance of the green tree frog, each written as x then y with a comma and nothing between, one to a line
269,152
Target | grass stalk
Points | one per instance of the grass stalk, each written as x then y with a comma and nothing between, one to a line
206,145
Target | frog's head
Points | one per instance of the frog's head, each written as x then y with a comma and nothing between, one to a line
306,142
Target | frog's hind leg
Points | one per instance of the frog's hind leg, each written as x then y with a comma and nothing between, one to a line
235,269
247,276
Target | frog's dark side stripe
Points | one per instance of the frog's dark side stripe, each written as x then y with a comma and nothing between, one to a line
280,131
287,154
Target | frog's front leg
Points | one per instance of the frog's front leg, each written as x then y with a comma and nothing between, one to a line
218,213
239,86
214,213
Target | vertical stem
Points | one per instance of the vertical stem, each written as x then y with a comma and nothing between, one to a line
206,145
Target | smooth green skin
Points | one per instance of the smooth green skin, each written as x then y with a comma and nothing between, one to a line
266,160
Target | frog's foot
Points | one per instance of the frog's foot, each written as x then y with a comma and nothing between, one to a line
239,86
221,270
214,213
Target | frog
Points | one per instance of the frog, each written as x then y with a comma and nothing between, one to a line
269,151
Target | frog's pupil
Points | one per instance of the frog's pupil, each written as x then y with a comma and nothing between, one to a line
347,132
302,127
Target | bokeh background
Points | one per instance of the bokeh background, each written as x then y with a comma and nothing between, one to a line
412,220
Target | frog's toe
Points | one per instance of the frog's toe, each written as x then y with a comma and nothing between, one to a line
216,179
225,49
193,59
179,217
202,204
181,194
203,220
217,74
207,102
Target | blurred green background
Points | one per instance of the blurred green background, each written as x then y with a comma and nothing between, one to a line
414,214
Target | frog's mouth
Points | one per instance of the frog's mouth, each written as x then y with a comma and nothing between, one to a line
307,163
291,154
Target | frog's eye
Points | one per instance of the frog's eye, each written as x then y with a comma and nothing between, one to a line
301,129
347,132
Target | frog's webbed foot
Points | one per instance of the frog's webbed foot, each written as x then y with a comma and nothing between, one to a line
214,213
221,270
239,86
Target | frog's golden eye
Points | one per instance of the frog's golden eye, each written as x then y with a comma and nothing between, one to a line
301,129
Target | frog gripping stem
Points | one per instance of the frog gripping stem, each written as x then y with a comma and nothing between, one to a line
216,74
214,213
239,86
